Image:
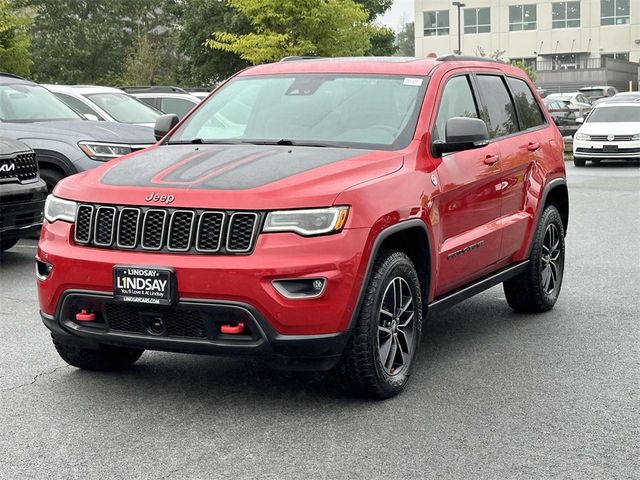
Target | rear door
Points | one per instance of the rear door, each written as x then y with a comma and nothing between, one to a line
470,199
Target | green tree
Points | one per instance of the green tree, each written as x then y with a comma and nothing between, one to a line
14,40
528,69
406,40
198,19
295,27
375,7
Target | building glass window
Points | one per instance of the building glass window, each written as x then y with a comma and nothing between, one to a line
522,17
565,15
436,23
477,20
614,12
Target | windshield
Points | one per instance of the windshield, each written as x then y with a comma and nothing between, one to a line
592,92
124,108
615,114
374,111
31,103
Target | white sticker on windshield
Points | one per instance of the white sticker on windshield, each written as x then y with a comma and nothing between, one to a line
414,82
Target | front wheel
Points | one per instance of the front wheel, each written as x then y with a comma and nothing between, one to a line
105,359
381,353
536,289
7,243
579,162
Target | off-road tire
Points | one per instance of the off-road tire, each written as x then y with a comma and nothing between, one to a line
360,370
51,178
525,292
106,359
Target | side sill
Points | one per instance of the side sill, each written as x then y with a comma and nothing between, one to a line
467,291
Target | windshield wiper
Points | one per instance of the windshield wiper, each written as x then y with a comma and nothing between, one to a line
295,143
200,141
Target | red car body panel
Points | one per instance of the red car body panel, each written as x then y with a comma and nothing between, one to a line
461,200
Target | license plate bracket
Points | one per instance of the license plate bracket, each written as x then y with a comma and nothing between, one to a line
144,284
610,148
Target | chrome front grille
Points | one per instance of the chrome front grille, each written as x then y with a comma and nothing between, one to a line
166,230
616,138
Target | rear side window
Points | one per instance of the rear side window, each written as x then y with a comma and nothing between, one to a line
498,110
456,101
528,110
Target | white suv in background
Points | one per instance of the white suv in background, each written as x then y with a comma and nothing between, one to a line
166,99
610,131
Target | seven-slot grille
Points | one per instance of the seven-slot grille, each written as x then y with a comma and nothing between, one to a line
616,138
161,229
24,167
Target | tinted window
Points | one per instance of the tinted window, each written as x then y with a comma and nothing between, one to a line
78,105
498,111
614,114
528,109
456,101
179,106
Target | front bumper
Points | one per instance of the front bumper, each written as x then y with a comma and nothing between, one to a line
590,149
312,327
21,209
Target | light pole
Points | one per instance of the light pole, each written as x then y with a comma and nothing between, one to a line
460,5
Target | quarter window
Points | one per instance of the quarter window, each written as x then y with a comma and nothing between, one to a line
522,17
456,101
436,23
614,12
529,111
565,15
497,109
477,20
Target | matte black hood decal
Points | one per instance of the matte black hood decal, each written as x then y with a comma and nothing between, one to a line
220,167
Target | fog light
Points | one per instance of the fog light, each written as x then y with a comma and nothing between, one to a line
299,288
43,269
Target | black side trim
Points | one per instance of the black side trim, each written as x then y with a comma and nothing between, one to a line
387,232
49,157
442,303
556,182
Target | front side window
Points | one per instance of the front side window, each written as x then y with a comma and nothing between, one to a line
436,23
360,111
456,101
477,20
78,105
32,103
497,110
522,17
614,12
124,108
565,15
179,106
529,111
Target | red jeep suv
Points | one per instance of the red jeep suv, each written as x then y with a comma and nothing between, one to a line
312,212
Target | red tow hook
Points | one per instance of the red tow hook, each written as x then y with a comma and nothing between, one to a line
232,329
84,316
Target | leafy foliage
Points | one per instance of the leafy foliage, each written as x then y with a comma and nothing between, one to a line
298,27
14,40
406,40
531,73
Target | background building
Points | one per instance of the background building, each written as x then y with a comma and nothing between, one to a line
569,43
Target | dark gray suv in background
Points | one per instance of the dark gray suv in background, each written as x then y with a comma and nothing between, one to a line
64,142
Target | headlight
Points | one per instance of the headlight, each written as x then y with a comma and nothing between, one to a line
307,222
582,136
58,209
636,137
104,151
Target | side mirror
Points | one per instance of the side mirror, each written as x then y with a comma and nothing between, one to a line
164,124
92,117
580,120
462,133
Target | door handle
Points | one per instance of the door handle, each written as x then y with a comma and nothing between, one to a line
532,147
491,159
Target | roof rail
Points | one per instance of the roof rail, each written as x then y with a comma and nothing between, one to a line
153,89
12,75
467,58
293,58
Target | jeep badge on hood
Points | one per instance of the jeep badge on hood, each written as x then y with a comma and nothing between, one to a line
156,197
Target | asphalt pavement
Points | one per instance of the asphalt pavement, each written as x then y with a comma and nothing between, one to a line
495,395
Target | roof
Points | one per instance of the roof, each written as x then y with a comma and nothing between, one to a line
81,89
366,65
11,79
617,104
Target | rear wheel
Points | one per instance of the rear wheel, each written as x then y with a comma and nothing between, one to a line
536,289
378,360
105,359
579,162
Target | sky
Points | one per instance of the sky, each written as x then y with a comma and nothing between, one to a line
400,13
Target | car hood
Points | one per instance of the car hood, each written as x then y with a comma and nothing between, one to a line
230,176
605,128
78,130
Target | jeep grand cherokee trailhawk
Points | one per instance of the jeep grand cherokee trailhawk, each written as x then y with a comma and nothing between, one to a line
311,212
